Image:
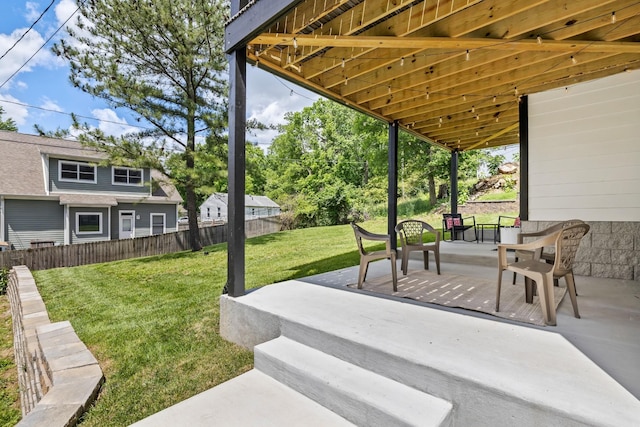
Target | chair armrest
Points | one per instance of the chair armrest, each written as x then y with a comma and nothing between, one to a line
373,236
521,236
535,247
472,217
505,216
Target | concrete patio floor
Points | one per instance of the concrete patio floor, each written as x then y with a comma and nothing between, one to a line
372,360
608,331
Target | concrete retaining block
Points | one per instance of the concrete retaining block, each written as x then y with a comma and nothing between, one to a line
59,377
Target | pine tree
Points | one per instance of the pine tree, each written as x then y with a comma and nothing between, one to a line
164,61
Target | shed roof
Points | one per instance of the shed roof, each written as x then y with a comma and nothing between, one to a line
250,201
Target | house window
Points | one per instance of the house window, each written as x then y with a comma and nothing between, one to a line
218,212
208,212
126,176
76,171
158,223
88,223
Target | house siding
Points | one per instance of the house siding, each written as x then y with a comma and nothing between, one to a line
143,217
103,183
84,238
27,220
584,156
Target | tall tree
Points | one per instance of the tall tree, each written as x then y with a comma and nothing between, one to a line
7,124
164,61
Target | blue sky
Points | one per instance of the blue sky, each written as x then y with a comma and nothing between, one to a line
43,82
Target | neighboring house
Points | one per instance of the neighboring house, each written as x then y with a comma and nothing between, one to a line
53,191
215,207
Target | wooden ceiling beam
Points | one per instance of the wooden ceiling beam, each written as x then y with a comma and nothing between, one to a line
494,136
403,23
459,44
506,83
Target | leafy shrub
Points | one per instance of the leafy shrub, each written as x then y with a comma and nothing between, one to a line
4,280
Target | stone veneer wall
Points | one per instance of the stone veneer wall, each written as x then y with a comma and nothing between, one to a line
610,249
59,377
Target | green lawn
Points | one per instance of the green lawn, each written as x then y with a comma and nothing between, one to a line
499,196
153,322
9,397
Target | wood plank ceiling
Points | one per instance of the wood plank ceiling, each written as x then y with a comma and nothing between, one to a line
450,72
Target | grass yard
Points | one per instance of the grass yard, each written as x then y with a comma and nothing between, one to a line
152,323
10,412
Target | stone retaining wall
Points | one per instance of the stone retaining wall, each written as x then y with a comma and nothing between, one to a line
59,377
610,249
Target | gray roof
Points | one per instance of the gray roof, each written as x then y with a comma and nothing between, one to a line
250,201
22,172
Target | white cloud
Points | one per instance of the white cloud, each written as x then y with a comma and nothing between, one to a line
49,104
269,98
111,124
64,10
17,112
19,56
32,11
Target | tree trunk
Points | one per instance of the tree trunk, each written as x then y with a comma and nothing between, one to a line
192,213
432,190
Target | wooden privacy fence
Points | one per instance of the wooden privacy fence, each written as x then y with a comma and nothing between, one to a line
113,250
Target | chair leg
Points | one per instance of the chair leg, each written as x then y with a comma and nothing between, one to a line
405,261
571,287
425,255
394,274
528,290
547,302
364,265
436,255
498,291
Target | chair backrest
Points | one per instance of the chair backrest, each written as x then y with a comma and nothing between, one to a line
411,231
359,232
562,225
451,220
567,246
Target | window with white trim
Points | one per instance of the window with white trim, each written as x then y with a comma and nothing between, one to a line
126,176
88,222
158,223
76,171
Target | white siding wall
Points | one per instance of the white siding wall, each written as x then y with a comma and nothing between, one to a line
584,151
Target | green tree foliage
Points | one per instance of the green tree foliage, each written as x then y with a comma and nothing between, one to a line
7,124
315,163
329,164
164,61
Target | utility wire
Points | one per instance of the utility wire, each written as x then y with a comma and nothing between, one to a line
39,49
77,115
30,28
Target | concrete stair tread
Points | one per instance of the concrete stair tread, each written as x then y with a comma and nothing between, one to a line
355,393
249,400
478,365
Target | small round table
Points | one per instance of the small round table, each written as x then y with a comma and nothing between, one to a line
493,227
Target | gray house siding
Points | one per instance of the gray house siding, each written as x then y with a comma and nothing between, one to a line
27,220
143,217
103,183
91,237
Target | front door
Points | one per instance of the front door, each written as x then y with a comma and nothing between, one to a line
127,225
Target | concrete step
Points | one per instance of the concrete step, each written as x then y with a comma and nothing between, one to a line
252,399
355,393
494,374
